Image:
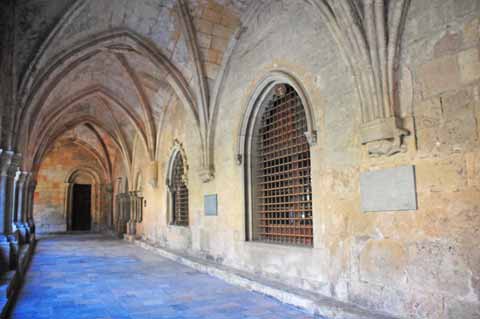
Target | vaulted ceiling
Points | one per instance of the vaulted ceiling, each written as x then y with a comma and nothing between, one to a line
116,66
108,70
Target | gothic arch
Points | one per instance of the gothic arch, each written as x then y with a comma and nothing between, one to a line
278,102
118,42
260,95
41,149
177,152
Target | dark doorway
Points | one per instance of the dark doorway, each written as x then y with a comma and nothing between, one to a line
81,207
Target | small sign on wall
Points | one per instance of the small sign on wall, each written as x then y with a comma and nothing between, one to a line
210,205
390,189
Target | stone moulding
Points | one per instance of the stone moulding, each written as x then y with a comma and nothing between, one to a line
383,137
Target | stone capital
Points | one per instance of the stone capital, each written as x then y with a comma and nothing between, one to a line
22,178
6,158
14,166
311,138
206,175
383,137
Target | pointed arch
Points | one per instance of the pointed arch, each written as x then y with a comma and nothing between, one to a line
177,187
40,150
261,94
117,41
100,92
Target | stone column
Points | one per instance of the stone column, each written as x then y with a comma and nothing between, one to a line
30,196
9,213
20,218
132,221
124,213
5,223
24,215
116,215
107,206
120,214
139,216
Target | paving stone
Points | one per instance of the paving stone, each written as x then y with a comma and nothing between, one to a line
94,277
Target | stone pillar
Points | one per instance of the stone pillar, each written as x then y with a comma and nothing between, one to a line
11,228
20,218
25,207
116,216
132,221
124,213
68,191
139,216
30,196
5,223
107,206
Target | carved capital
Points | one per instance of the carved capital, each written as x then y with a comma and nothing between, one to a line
132,194
22,178
311,137
14,165
108,188
5,161
239,159
383,137
206,175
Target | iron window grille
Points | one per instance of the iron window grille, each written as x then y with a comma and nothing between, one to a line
179,193
281,168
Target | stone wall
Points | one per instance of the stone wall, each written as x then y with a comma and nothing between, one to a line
414,264
50,195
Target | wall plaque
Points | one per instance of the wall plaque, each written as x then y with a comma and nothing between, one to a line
390,189
210,205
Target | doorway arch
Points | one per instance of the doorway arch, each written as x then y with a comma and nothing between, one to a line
85,176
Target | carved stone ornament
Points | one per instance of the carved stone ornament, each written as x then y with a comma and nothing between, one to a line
206,175
383,137
5,161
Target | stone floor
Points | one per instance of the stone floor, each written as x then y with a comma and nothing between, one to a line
90,277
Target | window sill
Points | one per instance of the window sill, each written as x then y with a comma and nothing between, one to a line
258,243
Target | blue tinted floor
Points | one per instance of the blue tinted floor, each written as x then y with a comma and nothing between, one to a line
94,277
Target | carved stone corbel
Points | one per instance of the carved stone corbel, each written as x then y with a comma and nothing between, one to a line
311,138
206,174
383,137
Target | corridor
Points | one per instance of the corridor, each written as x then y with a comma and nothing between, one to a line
95,277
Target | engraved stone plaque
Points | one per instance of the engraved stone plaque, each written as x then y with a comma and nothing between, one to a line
210,205
390,189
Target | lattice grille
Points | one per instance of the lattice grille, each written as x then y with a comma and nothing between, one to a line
179,193
283,185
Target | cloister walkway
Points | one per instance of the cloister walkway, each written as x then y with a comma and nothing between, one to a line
95,277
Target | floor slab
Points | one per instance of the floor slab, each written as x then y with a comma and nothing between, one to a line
96,277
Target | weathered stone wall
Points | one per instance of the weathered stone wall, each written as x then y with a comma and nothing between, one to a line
415,264
49,202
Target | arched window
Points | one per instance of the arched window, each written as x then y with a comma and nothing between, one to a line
279,164
178,192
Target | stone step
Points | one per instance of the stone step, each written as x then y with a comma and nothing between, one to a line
312,302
